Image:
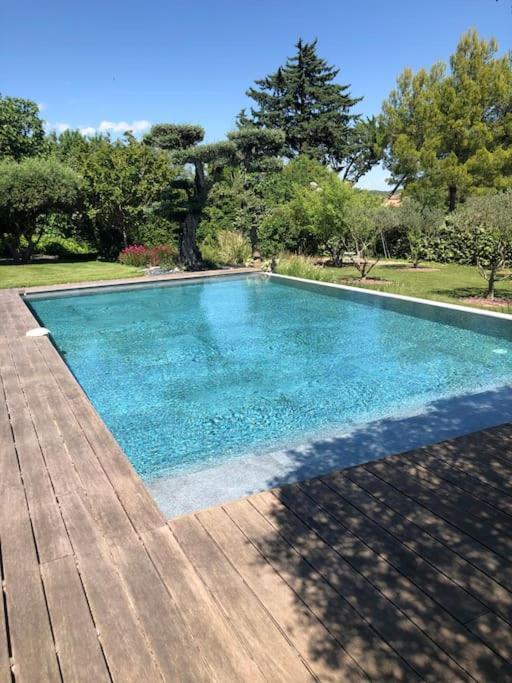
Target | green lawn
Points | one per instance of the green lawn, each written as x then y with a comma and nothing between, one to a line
54,273
448,282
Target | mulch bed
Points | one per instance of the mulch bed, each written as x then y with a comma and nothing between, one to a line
423,269
368,281
492,303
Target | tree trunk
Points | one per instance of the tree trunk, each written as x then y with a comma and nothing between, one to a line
490,285
452,198
255,243
190,255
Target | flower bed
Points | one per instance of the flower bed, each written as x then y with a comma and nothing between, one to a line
140,256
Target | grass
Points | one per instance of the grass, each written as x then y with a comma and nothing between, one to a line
450,283
62,272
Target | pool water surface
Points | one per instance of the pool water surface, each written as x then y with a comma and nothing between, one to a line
195,374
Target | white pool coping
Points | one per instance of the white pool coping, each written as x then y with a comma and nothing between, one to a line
399,297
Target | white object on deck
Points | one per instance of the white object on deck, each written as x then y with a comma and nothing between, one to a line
38,332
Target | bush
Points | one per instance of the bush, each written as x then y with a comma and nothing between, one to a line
64,247
228,248
300,266
140,256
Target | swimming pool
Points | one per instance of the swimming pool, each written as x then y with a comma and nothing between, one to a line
192,375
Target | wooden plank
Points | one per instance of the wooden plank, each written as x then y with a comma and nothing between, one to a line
466,547
177,653
495,632
341,511
272,651
482,462
218,641
322,652
393,625
78,647
34,379
456,473
90,476
476,509
357,485
33,648
51,537
5,663
136,500
9,469
440,503
429,615
125,644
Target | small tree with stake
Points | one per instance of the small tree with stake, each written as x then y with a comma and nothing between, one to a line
419,223
361,234
206,161
488,220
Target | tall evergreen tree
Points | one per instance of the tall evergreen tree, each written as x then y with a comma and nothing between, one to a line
302,99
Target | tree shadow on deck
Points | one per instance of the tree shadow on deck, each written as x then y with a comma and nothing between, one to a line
405,560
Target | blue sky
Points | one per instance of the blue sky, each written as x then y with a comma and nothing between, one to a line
126,62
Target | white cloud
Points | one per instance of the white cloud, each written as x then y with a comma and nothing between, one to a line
41,106
123,126
115,127
57,127
88,130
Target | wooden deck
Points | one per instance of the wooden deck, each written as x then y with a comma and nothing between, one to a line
398,570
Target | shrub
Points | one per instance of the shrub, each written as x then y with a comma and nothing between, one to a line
227,248
55,245
135,255
140,256
164,255
300,266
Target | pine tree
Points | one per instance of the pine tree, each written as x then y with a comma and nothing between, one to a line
302,99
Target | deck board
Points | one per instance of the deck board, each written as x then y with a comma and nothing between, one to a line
396,570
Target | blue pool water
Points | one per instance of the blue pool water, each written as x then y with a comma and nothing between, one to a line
188,375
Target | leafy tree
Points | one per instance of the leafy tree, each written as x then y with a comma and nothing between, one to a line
31,191
124,181
489,220
364,150
290,223
303,100
293,225
207,162
335,197
448,133
21,129
420,224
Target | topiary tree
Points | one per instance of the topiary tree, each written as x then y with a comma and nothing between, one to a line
31,191
258,153
488,220
182,141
